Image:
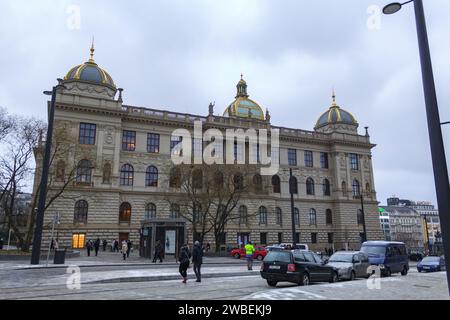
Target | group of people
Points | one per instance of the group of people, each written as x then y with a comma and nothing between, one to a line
125,249
197,261
93,245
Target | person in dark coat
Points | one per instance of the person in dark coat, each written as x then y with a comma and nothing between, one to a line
1,243
104,243
197,260
89,247
158,252
129,244
96,246
185,255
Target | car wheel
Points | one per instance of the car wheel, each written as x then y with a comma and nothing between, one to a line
237,255
334,277
304,279
272,283
404,271
352,276
259,257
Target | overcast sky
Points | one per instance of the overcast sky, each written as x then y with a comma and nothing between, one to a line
180,55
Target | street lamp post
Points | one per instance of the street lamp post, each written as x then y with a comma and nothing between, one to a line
441,179
291,191
364,239
37,237
427,234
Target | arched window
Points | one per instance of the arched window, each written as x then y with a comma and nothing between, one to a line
81,212
326,187
174,211
107,173
151,177
242,215
262,213
344,188
355,188
126,175
329,216
276,184
197,179
257,182
150,211
312,217
238,181
279,216
84,171
125,212
310,186
359,217
60,171
293,185
175,178
296,216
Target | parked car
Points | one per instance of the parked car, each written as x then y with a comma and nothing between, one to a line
351,264
299,246
430,264
297,266
260,253
390,256
273,248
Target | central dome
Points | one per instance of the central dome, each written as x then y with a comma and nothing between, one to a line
244,107
90,72
335,115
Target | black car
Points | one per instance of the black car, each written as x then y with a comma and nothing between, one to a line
297,266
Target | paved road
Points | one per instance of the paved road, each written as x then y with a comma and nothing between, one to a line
413,286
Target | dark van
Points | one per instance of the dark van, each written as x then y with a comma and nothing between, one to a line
391,257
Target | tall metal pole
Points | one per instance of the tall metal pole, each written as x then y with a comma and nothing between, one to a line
427,235
441,179
37,238
291,191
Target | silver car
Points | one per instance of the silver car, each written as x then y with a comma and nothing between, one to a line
351,264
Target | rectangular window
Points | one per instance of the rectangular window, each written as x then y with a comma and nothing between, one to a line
308,159
78,240
129,140
354,161
256,153
263,238
292,157
176,146
218,150
87,133
330,237
314,237
238,152
197,147
153,142
324,160
275,155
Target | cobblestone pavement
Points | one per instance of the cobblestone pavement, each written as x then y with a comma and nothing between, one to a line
50,284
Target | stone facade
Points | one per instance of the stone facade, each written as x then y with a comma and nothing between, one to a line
89,102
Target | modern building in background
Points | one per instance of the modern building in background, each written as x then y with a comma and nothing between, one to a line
122,155
385,224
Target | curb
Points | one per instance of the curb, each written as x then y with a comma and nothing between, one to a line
174,277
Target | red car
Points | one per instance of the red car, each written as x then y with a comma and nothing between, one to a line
260,253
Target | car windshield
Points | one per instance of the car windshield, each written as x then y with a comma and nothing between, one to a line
431,259
374,250
280,256
341,257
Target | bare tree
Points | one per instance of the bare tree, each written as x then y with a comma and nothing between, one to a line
6,123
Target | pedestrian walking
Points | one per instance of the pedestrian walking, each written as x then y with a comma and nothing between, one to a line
89,247
96,246
158,252
124,249
113,243
104,243
129,244
197,260
1,243
249,250
185,255
52,245
208,247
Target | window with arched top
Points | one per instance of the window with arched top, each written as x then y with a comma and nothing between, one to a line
243,215
80,212
310,186
279,216
174,211
150,211
84,171
175,178
329,217
296,216
262,214
151,176
312,217
126,175
356,188
326,187
125,213
276,184
257,182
